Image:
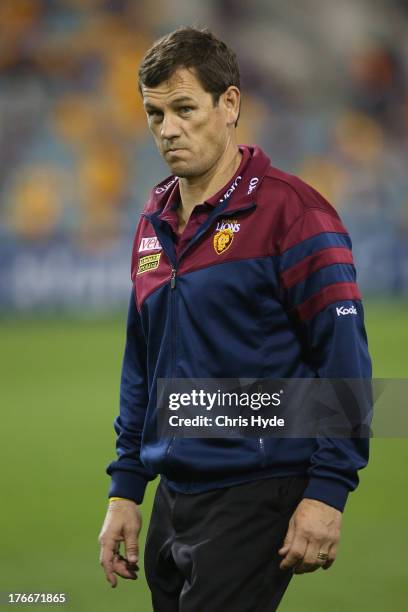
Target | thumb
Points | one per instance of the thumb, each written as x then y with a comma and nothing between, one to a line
132,547
288,539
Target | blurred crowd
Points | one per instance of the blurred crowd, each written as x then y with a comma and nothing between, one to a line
325,93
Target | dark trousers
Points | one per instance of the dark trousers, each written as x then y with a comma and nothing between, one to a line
218,551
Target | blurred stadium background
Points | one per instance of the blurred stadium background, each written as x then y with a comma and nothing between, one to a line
325,93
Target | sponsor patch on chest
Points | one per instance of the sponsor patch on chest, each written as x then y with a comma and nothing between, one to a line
149,244
148,262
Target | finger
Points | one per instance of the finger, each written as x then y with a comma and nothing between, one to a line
311,561
295,553
332,557
288,539
106,561
121,567
108,550
132,567
132,547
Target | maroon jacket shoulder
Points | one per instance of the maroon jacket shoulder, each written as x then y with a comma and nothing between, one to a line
294,208
298,191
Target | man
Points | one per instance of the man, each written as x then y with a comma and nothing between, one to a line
238,269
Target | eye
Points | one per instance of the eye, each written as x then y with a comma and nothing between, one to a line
156,115
185,110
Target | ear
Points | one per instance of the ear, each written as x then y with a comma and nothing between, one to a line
231,100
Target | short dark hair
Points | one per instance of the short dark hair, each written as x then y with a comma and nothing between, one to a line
215,64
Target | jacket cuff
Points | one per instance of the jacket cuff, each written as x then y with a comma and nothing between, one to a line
128,485
331,492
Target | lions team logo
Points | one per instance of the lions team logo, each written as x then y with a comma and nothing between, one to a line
223,240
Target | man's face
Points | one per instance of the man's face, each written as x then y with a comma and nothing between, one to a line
190,132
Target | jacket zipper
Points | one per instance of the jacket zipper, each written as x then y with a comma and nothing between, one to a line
173,283
173,278
173,320
262,450
173,336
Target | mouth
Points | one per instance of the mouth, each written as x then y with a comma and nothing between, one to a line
175,150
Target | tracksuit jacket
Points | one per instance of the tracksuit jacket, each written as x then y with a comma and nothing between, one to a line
265,288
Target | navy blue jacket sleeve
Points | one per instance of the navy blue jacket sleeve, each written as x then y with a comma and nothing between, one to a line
129,475
338,349
319,279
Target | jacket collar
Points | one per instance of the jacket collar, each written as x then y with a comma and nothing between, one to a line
239,192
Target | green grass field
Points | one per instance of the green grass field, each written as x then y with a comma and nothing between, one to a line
59,395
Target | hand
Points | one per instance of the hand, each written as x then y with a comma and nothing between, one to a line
313,528
122,523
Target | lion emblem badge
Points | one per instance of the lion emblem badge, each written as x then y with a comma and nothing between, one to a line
223,240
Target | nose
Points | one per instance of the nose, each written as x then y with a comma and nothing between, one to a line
169,128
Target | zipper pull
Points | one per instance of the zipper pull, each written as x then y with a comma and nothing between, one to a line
173,278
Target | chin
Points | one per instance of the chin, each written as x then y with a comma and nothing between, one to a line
183,173
181,170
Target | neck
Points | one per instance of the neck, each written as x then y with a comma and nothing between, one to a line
195,190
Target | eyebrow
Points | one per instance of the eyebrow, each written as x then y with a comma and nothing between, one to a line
181,99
